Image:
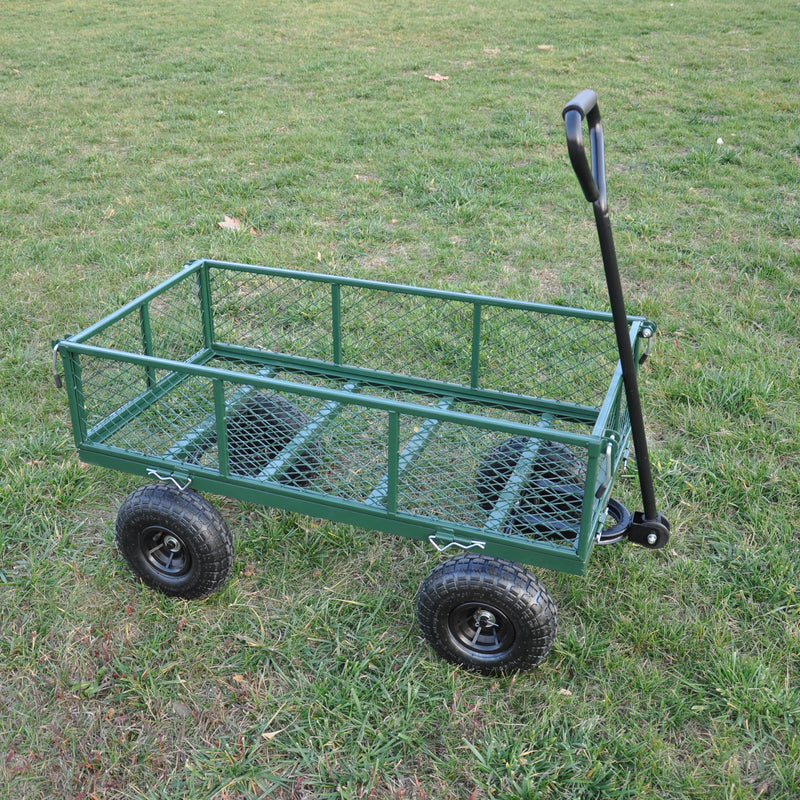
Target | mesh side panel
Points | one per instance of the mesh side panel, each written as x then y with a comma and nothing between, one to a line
455,473
463,475
407,334
619,419
354,453
278,314
440,480
176,322
268,438
108,385
563,358
176,328
125,334
550,502
522,351
166,420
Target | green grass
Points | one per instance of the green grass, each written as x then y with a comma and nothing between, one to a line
130,129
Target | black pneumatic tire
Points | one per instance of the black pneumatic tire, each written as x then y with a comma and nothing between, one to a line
487,614
175,541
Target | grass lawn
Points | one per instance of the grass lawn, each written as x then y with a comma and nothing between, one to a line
129,130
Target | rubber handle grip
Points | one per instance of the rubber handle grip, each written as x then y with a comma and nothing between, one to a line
592,178
584,102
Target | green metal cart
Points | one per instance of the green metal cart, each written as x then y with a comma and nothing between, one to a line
488,427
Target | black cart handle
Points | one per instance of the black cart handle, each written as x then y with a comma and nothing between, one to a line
649,527
592,178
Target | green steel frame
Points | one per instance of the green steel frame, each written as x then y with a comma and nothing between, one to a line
600,432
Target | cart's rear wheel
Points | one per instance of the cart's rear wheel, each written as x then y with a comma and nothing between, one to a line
175,540
487,614
260,429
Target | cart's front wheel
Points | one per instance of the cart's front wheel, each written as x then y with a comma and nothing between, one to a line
175,540
487,614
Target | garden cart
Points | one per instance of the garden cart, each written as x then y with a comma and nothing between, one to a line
488,427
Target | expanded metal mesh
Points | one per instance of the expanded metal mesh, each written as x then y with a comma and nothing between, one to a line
168,326
406,334
564,358
277,314
520,351
176,322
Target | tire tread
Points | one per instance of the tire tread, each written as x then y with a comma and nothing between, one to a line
499,581
200,524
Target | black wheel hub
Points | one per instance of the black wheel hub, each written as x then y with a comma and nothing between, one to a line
482,629
165,552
